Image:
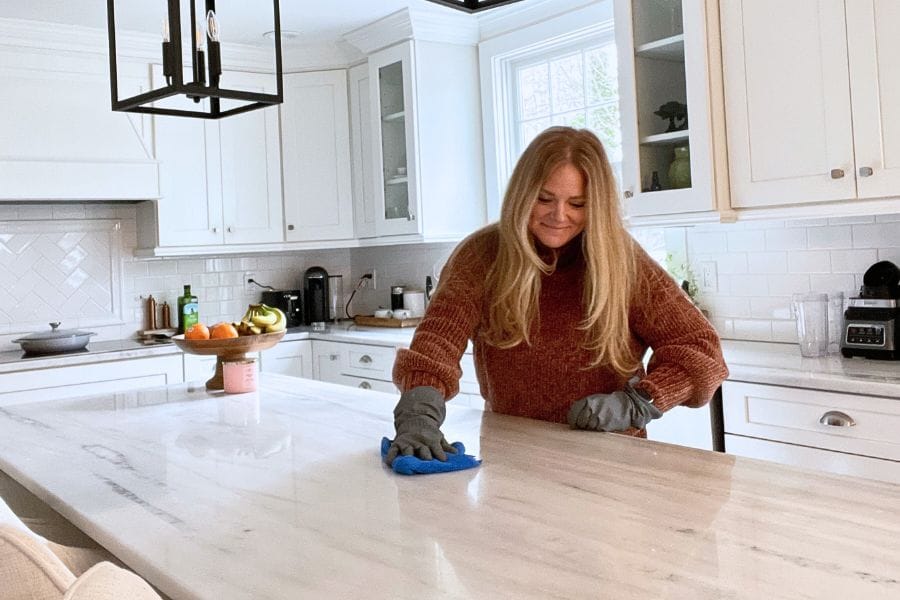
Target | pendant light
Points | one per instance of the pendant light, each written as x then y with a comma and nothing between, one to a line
473,6
206,71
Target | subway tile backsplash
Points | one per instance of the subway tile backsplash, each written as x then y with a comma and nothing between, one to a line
68,263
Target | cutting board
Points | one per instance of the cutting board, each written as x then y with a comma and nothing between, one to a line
370,321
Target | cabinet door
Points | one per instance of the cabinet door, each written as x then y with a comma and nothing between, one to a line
251,168
288,358
787,101
874,51
683,426
393,142
663,59
190,209
315,133
361,152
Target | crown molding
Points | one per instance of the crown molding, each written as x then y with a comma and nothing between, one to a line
504,19
419,23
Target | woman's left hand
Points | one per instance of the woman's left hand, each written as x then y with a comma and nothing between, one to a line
613,412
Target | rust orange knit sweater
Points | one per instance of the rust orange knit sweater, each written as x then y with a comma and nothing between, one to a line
543,379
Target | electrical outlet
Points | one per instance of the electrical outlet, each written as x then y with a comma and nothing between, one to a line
709,280
249,287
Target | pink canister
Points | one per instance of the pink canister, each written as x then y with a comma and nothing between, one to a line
240,376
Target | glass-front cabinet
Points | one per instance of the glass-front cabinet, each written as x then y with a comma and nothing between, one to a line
394,141
669,170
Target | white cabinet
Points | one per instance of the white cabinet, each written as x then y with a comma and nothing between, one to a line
843,433
666,55
683,426
220,179
812,92
361,152
428,172
93,378
60,140
288,358
360,365
315,134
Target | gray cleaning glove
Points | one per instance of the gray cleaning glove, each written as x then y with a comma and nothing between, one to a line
613,412
417,419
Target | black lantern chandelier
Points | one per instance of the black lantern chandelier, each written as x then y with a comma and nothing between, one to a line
472,6
200,86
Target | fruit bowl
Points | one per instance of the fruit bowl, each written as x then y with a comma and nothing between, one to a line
227,350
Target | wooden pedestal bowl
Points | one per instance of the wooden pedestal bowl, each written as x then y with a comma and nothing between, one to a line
227,350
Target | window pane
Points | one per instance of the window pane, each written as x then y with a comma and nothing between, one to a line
575,118
534,91
529,129
604,121
567,81
602,72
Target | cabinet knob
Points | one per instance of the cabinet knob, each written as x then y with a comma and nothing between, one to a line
865,171
836,418
215,230
365,359
290,227
629,194
229,229
411,217
366,385
333,356
837,173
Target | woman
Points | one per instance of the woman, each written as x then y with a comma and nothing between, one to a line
561,305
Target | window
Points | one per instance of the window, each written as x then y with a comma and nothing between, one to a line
575,86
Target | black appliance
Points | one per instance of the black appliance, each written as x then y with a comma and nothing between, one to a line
289,301
315,297
871,319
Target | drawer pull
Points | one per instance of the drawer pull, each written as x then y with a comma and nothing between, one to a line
836,418
366,385
365,359
333,356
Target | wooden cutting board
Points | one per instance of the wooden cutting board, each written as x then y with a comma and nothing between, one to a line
385,322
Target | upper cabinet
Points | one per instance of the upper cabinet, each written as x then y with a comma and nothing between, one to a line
315,138
220,179
812,91
60,139
361,152
673,148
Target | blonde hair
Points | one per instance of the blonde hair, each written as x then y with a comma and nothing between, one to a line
514,280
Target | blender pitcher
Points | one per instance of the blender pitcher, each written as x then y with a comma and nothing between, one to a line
811,312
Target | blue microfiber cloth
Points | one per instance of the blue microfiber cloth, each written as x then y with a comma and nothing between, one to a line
412,465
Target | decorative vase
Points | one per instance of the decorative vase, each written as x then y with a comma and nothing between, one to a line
680,169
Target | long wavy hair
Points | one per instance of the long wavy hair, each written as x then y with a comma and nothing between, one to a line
514,279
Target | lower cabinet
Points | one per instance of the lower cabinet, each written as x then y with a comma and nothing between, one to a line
93,378
288,358
684,426
847,434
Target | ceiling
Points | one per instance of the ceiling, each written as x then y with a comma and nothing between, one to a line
317,21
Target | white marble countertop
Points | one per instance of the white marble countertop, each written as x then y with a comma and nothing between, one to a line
755,362
281,494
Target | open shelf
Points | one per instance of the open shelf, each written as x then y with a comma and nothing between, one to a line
396,180
665,139
394,116
669,48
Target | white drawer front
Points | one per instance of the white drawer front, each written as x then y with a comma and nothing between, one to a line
368,361
813,458
793,415
367,384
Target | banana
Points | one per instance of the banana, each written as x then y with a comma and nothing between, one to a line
264,319
280,323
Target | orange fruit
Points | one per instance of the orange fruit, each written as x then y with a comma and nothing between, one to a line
197,331
222,331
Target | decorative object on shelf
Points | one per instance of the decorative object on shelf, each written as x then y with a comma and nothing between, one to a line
680,169
654,182
173,70
473,6
227,350
676,113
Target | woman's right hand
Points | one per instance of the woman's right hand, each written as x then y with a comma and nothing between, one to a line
417,419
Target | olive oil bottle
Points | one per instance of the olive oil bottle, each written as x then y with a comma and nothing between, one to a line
188,310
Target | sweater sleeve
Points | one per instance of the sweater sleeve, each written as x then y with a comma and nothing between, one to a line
687,363
453,314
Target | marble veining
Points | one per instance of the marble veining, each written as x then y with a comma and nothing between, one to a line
281,494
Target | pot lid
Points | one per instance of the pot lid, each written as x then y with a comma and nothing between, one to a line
54,334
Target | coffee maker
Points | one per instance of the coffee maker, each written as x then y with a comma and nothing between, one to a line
315,297
871,326
289,301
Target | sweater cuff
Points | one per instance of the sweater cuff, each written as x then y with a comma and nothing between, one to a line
420,378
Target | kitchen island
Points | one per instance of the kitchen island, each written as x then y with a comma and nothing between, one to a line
282,494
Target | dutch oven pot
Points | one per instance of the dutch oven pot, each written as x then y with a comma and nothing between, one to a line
55,340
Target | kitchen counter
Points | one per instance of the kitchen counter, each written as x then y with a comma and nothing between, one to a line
755,362
281,494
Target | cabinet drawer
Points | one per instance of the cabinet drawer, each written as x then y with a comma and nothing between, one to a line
796,416
365,383
368,361
813,458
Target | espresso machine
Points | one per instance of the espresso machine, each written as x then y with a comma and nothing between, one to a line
315,297
871,327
